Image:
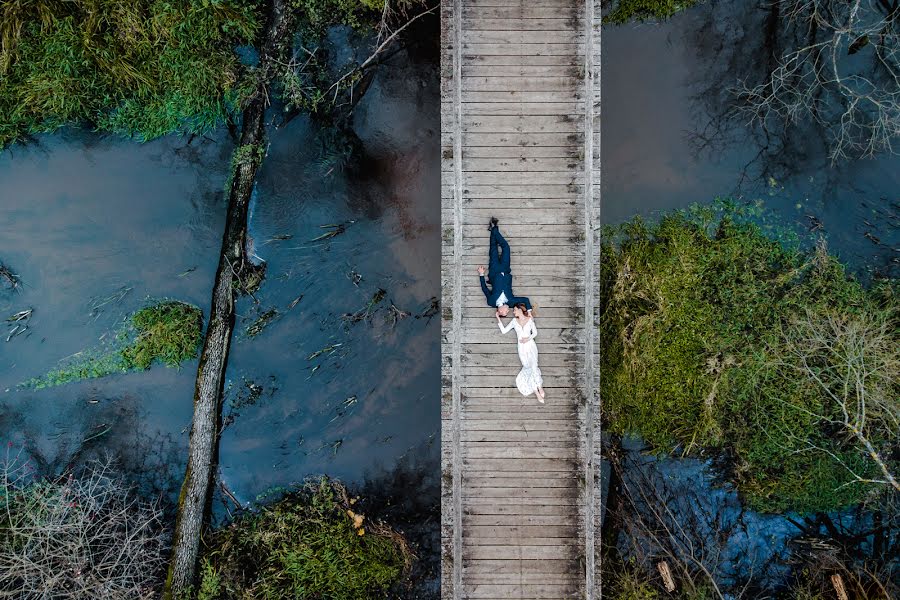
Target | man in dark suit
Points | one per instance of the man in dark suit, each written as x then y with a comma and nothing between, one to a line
500,294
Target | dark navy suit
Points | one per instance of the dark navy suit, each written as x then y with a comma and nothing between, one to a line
499,273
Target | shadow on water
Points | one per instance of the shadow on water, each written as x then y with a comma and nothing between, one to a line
85,218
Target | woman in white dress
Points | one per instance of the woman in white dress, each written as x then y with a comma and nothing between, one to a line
529,380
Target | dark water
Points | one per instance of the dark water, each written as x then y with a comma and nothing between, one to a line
374,398
83,217
666,145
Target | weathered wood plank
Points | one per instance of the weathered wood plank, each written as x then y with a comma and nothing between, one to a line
514,21
522,39
563,60
522,11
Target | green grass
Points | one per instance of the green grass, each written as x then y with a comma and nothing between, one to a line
168,332
701,313
143,68
624,11
308,545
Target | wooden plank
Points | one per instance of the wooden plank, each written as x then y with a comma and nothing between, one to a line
519,41
531,164
520,11
559,107
520,124
514,21
527,568
521,140
564,60
517,552
519,520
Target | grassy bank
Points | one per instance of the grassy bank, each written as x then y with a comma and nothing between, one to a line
626,11
142,68
719,339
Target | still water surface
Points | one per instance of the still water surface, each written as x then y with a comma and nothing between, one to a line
95,226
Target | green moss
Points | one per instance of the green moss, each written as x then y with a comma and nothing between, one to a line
168,332
624,11
698,311
310,544
143,68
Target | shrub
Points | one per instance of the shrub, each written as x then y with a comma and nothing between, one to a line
168,332
705,347
310,544
77,538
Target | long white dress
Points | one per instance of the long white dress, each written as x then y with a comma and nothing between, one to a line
529,378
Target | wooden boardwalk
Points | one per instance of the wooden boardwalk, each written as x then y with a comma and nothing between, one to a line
520,141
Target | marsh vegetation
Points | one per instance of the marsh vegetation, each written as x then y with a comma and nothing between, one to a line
718,337
763,360
166,332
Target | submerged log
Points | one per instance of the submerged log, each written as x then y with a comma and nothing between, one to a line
195,498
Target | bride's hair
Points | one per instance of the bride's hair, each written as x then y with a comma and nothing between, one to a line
521,306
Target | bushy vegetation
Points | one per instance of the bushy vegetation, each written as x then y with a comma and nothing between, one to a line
308,545
623,11
142,68
717,337
77,538
168,332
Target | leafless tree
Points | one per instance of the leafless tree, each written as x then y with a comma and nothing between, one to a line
853,361
81,537
298,73
844,75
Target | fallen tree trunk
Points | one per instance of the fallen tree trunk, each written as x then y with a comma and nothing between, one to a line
194,501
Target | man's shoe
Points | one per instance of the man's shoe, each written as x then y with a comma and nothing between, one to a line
493,223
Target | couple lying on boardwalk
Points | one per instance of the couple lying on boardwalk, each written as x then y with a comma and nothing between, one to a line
500,296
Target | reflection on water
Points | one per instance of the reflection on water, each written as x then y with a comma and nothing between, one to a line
95,226
370,396
670,137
